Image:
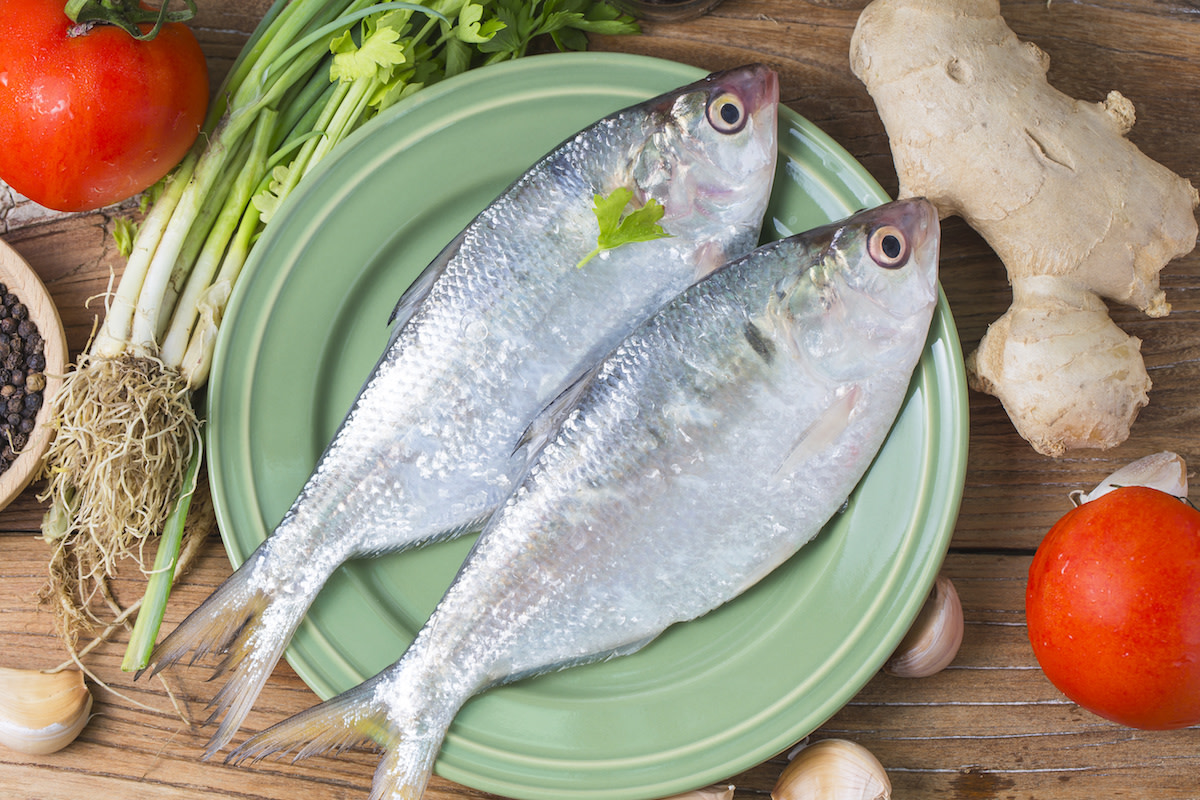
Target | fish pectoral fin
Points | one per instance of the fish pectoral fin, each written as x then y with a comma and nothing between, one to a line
824,430
419,289
543,426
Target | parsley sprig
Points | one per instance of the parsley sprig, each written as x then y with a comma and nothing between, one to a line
618,228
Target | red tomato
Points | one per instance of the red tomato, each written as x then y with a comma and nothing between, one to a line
1113,606
90,120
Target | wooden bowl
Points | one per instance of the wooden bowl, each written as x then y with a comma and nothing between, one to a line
21,280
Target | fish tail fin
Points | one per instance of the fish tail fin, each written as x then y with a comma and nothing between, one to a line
404,771
352,719
241,621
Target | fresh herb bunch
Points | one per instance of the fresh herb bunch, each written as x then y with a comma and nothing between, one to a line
313,72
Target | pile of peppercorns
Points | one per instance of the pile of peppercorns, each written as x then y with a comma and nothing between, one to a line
22,361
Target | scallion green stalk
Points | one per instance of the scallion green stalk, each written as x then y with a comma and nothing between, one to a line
162,576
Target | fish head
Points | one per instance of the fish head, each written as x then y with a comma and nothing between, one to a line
865,285
709,159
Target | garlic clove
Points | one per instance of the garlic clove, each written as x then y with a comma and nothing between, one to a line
1164,471
42,712
935,636
833,769
707,793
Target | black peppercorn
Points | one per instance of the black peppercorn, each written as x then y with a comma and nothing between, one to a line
22,361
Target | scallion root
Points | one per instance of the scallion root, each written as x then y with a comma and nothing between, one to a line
125,429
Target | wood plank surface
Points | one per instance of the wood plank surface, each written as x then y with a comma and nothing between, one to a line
990,726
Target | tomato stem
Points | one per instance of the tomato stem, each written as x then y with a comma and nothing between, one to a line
128,15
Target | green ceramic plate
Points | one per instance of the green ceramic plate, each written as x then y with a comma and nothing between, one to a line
709,698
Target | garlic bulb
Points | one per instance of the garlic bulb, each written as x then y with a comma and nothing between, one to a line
707,793
833,769
1164,471
42,712
935,636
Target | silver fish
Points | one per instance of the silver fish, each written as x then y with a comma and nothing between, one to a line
490,332
702,453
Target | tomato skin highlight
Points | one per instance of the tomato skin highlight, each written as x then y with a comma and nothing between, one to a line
1113,608
91,120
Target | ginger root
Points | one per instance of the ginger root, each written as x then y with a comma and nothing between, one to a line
1075,211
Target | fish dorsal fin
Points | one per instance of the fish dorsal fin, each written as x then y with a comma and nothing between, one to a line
546,423
419,289
827,427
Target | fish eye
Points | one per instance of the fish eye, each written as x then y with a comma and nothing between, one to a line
726,113
888,246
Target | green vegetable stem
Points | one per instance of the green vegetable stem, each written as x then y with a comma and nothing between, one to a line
162,576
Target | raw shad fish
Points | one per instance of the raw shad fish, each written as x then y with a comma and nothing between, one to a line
490,332
703,452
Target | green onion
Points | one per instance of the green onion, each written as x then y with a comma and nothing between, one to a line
158,588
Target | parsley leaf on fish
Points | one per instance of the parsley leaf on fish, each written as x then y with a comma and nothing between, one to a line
639,225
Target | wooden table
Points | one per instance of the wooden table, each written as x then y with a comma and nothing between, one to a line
989,726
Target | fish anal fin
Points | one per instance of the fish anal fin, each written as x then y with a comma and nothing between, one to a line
824,430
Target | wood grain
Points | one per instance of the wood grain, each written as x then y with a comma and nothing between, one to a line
990,726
